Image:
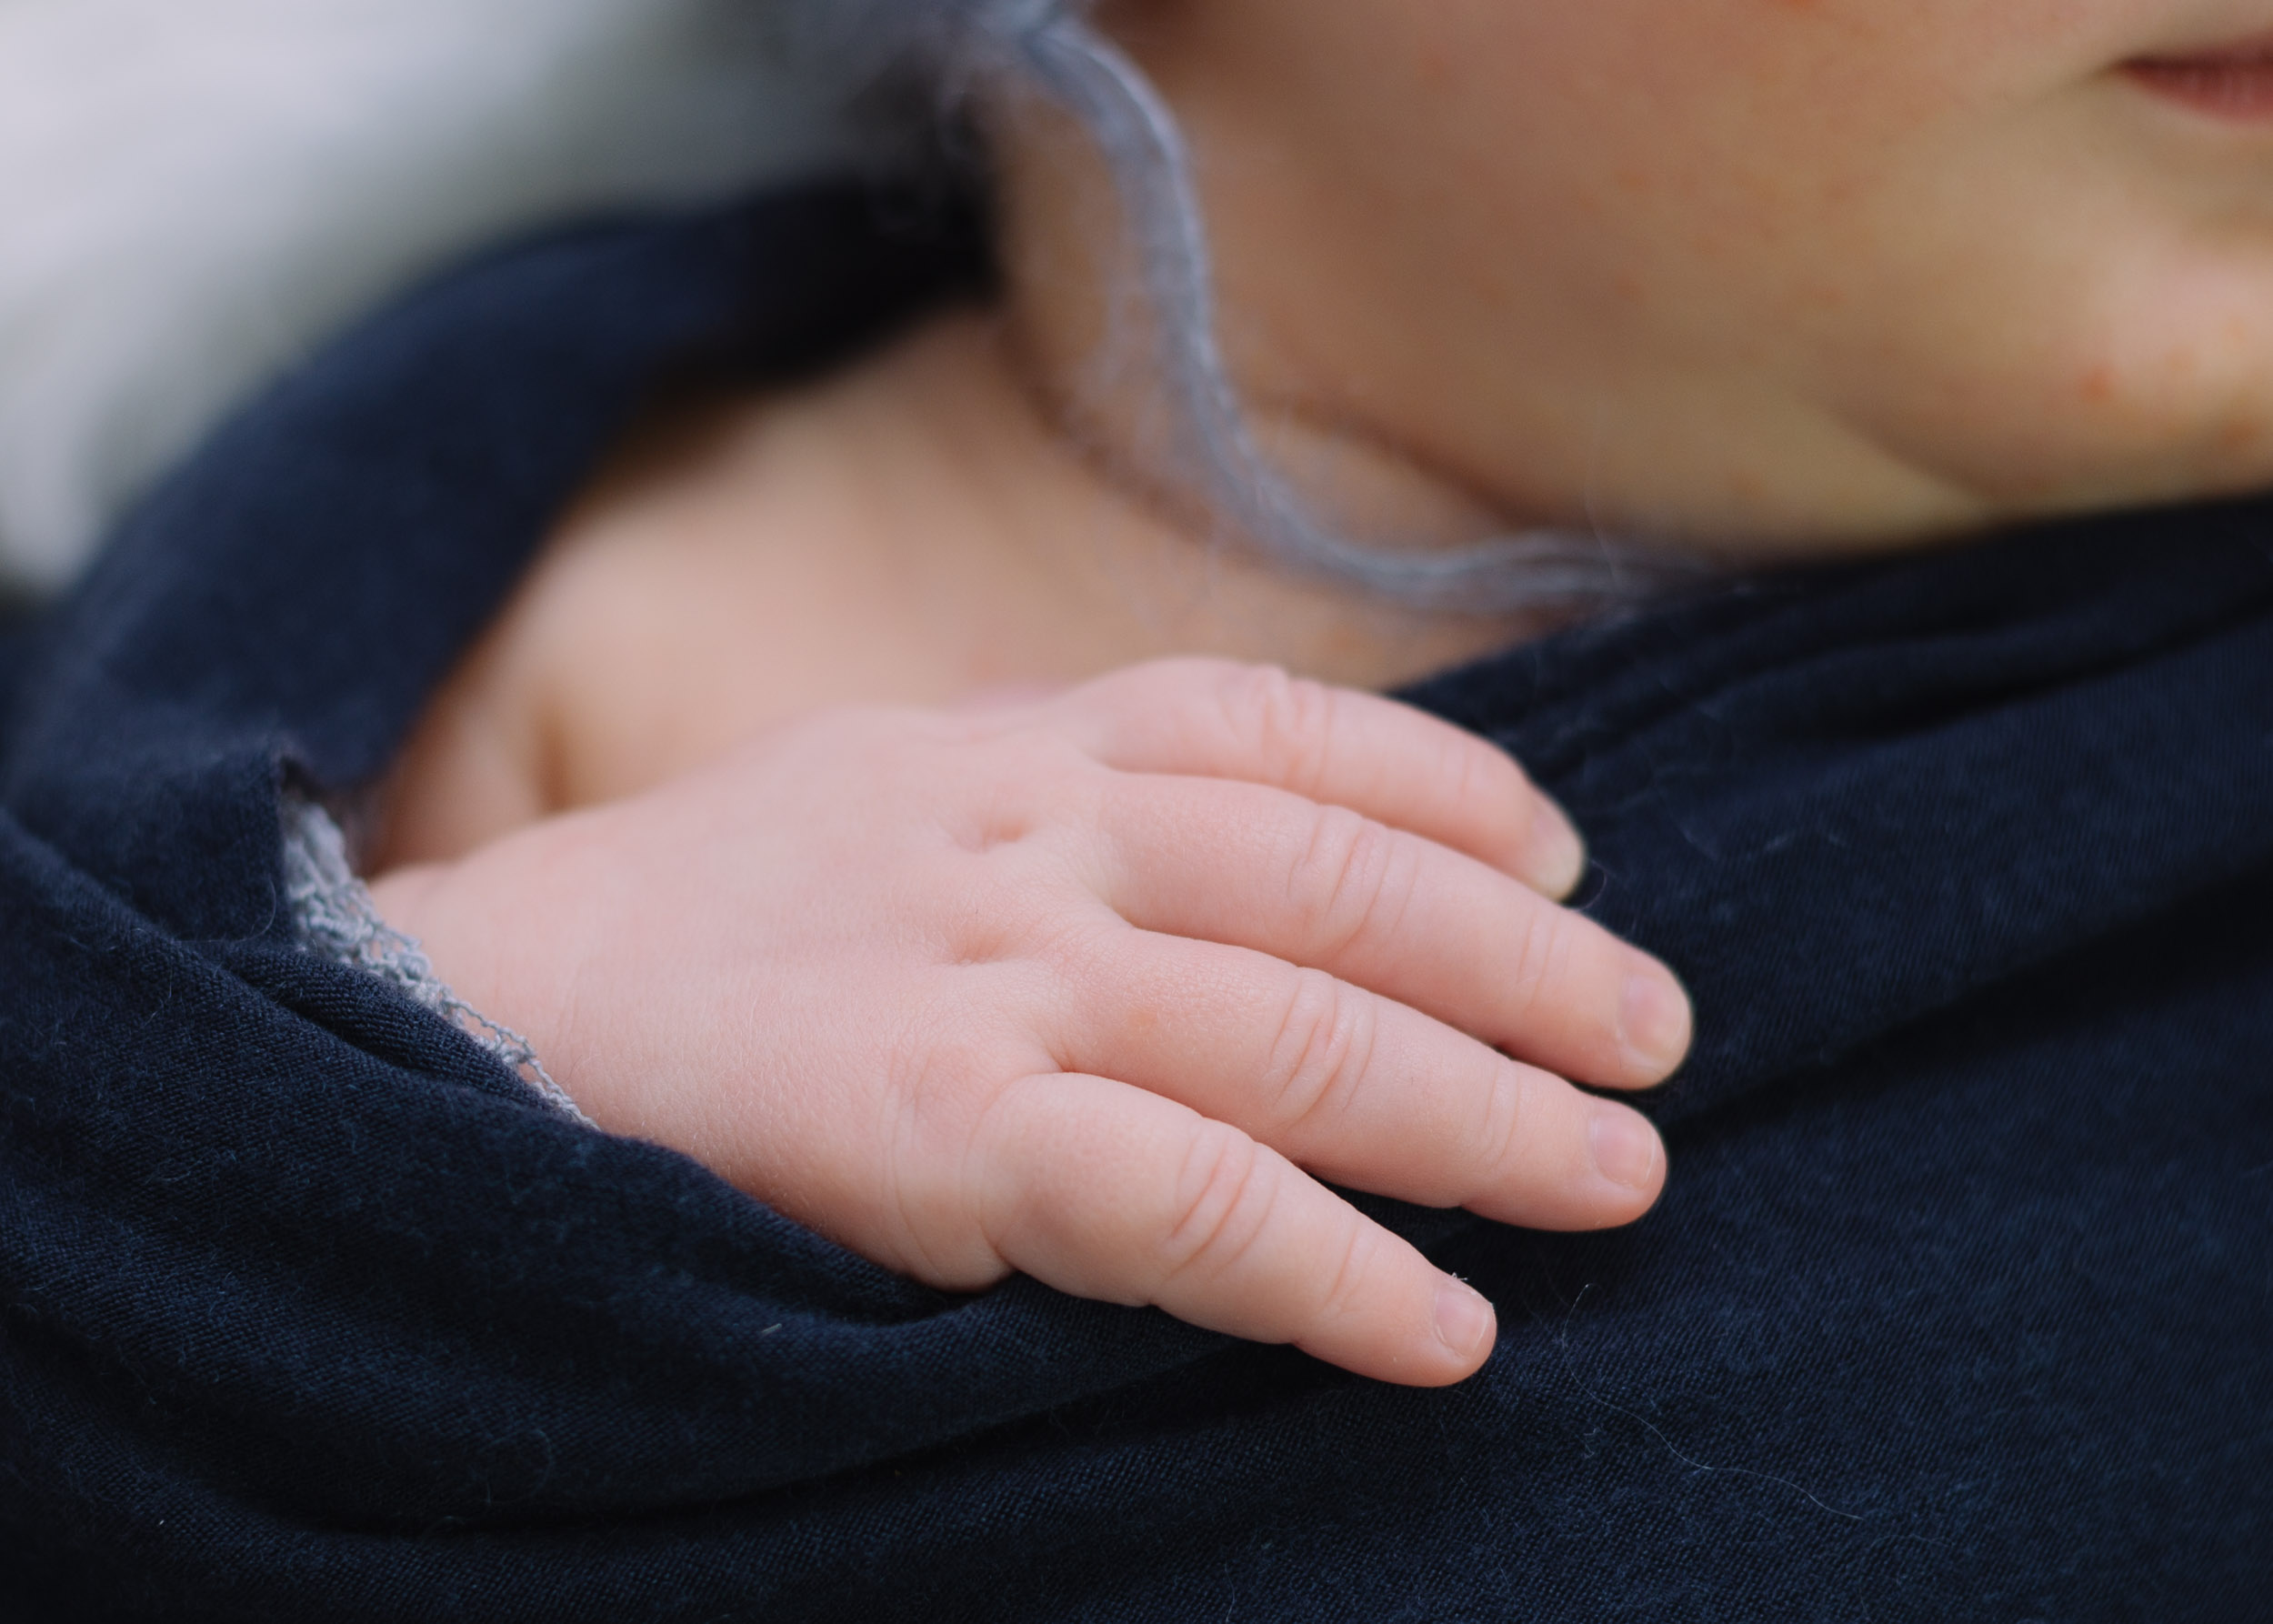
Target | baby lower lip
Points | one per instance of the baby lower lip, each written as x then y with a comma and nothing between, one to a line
2234,82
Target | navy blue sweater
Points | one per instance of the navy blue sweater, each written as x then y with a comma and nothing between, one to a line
1959,1304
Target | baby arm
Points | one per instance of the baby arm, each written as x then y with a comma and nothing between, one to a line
1092,988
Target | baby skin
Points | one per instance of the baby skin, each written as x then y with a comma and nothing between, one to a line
1100,977
1092,987
1095,984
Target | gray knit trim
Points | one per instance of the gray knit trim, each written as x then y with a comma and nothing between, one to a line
334,917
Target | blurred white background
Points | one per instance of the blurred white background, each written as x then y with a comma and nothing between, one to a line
195,192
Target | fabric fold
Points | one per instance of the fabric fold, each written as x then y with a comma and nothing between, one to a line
309,1309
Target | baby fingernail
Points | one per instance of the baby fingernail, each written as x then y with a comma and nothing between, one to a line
1624,1147
1653,1017
1462,1318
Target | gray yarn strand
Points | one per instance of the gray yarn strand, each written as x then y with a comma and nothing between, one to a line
1050,46
1095,81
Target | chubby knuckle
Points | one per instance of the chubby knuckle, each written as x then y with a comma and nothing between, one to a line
985,927
1321,1052
1029,898
994,811
1354,878
1221,1206
1504,1097
1545,951
1285,720
1357,1264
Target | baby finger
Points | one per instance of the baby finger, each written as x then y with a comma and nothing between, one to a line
1338,747
1404,917
1353,1087
1107,1191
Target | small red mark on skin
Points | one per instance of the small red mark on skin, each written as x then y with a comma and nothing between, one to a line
2098,385
2242,434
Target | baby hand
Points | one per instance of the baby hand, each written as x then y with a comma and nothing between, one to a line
1092,988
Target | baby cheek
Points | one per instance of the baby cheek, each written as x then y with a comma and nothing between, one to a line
2166,414
2197,396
